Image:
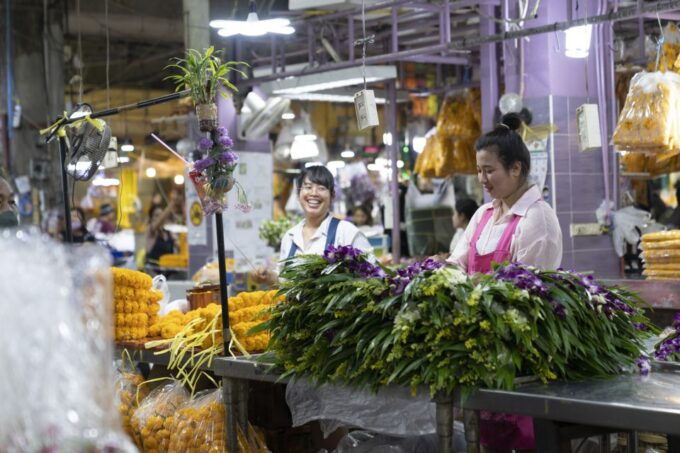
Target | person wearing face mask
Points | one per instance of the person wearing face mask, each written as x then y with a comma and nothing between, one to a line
517,226
8,207
319,228
78,229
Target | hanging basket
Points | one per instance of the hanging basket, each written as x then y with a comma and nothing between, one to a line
207,116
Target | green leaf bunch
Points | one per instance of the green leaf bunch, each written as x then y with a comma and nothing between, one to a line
202,73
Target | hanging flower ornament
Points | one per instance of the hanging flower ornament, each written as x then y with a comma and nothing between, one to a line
213,175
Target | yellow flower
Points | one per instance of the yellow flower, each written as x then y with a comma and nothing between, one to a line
485,325
469,344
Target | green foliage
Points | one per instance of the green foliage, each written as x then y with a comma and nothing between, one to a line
446,330
202,73
272,231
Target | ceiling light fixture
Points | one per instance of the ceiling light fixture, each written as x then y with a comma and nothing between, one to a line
288,115
347,154
387,139
252,26
179,180
151,172
329,80
123,160
127,146
418,144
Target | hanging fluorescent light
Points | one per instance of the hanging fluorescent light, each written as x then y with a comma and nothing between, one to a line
123,160
105,182
418,144
151,172
179,180
329,80
347,154
313,164
373,167
288,115
127,146
306,137
387,139
304,149
252,26
578,41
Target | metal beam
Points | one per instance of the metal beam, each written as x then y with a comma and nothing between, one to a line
621,14
437,59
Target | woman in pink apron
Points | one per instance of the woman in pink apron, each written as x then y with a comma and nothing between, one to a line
516,226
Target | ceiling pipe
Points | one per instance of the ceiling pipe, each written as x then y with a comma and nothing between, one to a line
127,27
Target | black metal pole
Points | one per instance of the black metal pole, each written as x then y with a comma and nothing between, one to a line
63,151
226,333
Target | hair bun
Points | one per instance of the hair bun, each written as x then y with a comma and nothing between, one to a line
512,121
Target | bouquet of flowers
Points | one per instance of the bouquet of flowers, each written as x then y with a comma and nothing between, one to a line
272,231
349,320
213,174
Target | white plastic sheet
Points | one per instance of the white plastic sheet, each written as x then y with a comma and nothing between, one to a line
366,442
57,386
392,411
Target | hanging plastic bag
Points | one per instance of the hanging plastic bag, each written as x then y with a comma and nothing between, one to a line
199,426
650,119
152,422
160,283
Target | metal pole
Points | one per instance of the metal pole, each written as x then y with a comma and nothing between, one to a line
63,151
444,417
471,423
224,303
350,39
394,183
229,390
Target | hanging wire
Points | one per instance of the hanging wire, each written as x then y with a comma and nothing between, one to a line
108,53
80,54
363,47
659,45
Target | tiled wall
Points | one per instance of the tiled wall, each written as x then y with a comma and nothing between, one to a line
579,187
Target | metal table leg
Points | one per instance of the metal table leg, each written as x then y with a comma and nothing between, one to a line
632,445
242,406
445,425
673,444
471,422
230,395
548,437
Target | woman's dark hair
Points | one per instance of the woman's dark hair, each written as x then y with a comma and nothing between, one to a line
366,209
81,215
467,207
152,208
317,174
507,144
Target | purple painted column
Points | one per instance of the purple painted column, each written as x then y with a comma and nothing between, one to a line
391,111
489,69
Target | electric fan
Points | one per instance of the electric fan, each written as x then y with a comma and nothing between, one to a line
88,142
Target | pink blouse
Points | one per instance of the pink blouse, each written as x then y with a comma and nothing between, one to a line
537,240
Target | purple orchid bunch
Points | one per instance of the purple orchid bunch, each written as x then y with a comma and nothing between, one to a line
644,365
403,277
527,278
354,259
600,298
669,346
214,172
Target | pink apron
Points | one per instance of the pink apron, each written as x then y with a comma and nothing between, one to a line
496,430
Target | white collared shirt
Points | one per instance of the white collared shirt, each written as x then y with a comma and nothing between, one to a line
346,234
537,241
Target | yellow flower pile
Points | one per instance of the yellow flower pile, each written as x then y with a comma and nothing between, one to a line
130,392
661,254
246,310
153,421
136,304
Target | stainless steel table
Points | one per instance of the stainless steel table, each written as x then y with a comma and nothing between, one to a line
623,403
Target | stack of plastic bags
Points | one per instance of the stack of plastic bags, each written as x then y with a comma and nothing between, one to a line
57,386
650,119
661,254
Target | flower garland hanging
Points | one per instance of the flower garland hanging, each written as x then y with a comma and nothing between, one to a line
213,175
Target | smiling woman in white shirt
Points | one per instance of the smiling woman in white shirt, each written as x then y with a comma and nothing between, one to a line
517,226
319,228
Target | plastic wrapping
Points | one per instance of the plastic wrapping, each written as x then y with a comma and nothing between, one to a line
661,245
627,224
367,442
152,422
650,119
382,412
57,387
199,425
130,393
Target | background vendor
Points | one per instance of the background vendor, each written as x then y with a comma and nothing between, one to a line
319,228
517,226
